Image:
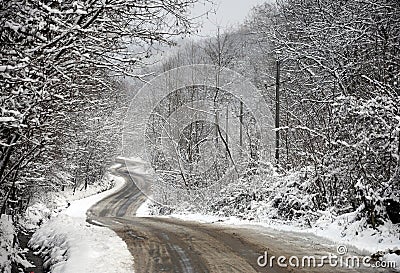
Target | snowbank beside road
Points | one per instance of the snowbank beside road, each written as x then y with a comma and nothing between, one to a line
144,210
7,250
50,204
10,252
71,245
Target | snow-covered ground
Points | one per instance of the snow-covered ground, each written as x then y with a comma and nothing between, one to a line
44,206
70,244
50,204
7,233
144,210
9,252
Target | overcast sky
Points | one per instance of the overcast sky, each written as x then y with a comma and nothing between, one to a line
228,13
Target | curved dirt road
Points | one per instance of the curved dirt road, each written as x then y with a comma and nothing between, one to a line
170,245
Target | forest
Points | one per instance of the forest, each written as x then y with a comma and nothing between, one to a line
69,70
336,66
62,89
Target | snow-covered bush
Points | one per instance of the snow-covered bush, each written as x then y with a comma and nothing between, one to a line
7,250
51,203
10,252
363,165
257,197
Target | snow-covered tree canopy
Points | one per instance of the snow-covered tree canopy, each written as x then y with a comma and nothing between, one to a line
340,96
59,62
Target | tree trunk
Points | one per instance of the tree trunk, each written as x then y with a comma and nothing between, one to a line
5,157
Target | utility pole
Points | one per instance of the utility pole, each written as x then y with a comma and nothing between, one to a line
226,129
241,124
278,64
216,125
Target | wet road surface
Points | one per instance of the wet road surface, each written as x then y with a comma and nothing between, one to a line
172,245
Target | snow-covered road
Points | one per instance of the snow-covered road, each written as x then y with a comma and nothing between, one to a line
172,245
